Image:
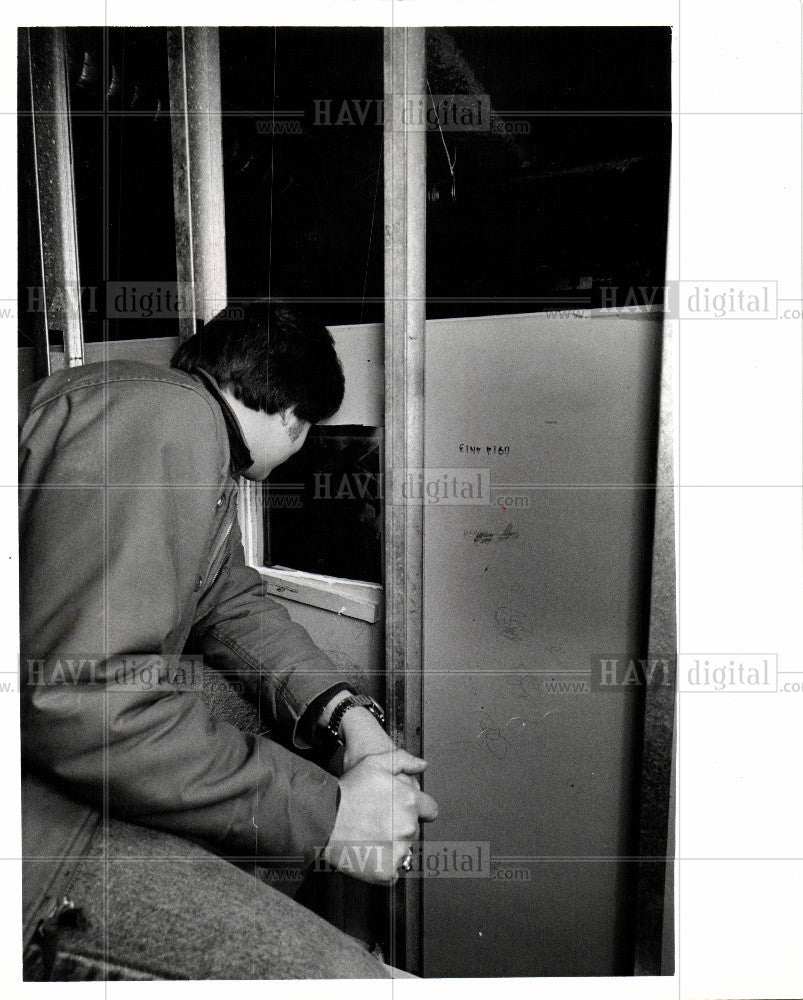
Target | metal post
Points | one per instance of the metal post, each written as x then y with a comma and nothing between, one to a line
55,201
405,313
193,56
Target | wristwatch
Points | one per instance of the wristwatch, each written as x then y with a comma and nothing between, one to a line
353,701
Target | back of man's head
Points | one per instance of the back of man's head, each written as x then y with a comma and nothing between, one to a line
272,358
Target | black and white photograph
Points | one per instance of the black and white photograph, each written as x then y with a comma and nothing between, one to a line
389,425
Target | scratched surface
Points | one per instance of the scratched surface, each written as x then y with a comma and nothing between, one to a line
522,594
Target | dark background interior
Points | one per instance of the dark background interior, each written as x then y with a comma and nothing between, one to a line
571,199
538,221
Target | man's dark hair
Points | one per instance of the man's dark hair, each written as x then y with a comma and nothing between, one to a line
272,357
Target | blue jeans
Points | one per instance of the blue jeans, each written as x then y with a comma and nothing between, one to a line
149,905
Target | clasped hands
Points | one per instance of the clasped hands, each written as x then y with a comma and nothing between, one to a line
381,803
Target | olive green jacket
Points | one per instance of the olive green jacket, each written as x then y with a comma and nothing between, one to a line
129,543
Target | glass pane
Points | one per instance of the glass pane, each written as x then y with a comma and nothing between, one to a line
563,191
304,205
120,102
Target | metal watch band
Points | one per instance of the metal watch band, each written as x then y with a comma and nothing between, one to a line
353,701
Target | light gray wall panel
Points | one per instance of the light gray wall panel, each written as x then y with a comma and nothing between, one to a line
515,597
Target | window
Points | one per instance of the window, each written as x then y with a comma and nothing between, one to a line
323,508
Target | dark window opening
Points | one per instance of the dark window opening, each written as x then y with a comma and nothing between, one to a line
120,119
324,506
304,194
564,195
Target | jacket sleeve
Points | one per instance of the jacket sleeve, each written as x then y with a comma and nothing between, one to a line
244,631
104,501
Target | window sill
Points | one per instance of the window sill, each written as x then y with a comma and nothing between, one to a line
352,598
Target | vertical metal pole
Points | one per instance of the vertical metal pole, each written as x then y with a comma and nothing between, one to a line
55,199
405,313
193,56
656,841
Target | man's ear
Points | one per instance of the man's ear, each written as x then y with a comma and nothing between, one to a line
293,424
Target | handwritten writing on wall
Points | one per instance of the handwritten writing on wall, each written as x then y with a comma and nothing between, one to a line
486,537
489,449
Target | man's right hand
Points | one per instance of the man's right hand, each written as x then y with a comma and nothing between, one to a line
377,821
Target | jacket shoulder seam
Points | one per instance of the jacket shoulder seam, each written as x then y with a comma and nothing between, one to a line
95,384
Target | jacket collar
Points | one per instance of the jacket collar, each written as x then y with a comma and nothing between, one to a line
240,456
